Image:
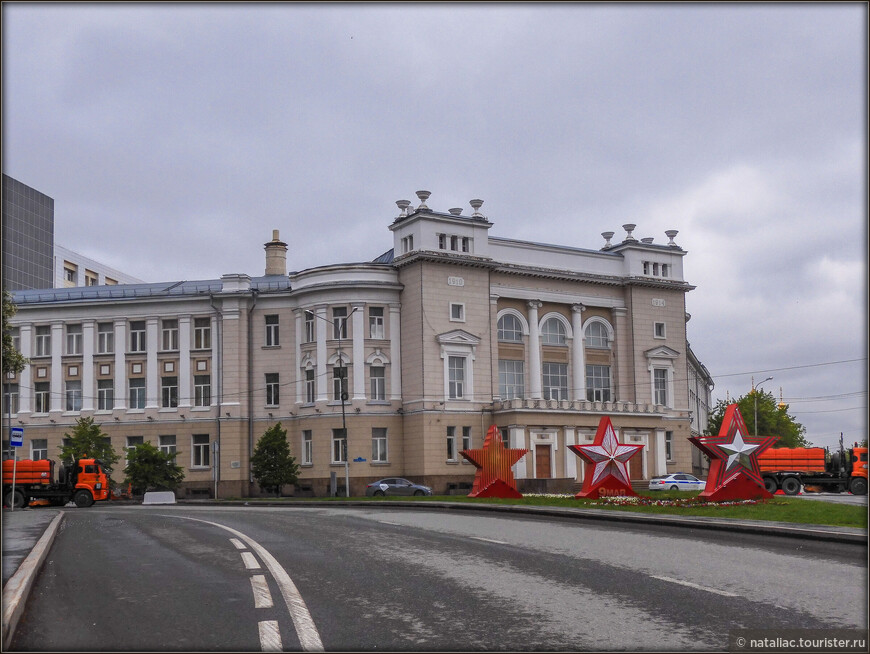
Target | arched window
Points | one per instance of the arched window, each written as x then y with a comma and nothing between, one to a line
553,332
596,335
510,329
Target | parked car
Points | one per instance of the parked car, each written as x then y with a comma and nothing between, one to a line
677,481
395,486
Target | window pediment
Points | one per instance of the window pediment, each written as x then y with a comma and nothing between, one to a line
662,352
458,337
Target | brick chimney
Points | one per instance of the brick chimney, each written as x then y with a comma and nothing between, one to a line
276,255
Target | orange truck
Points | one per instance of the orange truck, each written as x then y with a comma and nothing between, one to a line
82,482
814,468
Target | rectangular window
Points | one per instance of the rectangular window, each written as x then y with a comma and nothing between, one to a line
10,398
69,273
442,241
598,383
39,449
378,383
43,341
272,331
669,445
456,377
169,335
41,395
457,312
200,451
451,443
73,395
132,442
555,377
91,278
466,438
307,450
659,330
310,331
660,378
169,392
73,339
272,389
105,394
466,244
15,335
202,333
339,383
511,379
376,322
339,322
379,444
105,338
505,437
167,444
339,446
202,390
137,336
309,386
454,243
137,393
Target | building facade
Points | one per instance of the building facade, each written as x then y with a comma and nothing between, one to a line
376,369
28,236
72,269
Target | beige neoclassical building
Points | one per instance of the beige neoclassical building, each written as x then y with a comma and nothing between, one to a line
384,368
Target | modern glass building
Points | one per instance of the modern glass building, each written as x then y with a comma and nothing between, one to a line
28,237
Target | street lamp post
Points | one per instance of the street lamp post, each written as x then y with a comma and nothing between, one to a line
755,397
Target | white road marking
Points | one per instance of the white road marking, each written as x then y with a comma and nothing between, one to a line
488,540
262,596
309,638
239,544
698,586
395,524
270,636
251,562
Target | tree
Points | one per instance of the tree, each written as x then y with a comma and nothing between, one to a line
148,468
87,441
272,465
773,419
13,361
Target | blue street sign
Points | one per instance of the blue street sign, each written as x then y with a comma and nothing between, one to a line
359,459
16,436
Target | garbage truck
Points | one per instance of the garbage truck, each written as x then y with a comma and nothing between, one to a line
83,482
814,469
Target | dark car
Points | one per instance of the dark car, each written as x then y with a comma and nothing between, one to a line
395,486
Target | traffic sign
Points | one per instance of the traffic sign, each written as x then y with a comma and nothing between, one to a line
16,436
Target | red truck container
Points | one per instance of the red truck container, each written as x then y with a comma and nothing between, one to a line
83,482
791,468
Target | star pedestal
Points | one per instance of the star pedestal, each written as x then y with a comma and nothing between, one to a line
494,477
606,473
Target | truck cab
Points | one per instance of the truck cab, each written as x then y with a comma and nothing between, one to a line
88,477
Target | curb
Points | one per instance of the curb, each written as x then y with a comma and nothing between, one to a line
18,587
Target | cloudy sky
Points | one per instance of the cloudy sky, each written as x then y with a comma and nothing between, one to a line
175,138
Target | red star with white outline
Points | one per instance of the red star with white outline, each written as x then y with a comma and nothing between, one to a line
607,454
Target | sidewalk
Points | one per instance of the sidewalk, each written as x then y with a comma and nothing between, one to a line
21,529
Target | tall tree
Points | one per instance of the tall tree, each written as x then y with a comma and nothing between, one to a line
271,464
13,362
148,468
87,441
773,419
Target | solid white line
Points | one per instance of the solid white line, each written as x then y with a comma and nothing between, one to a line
262,596
698,586
251,562
239,544
309,639
270,636
489,540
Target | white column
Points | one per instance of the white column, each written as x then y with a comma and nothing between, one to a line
297,375
535,381
120,338
661,459
578,353
570,457
395,353
25,387
185,380
320,325
89,389
57,398
152,399
622,378
359,356
517,440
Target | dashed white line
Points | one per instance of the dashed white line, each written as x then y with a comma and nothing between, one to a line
489,540
270,636
239,544
698,586
262,596
251,562
384,522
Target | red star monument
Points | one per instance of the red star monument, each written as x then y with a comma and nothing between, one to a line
606,463
494,477
734,472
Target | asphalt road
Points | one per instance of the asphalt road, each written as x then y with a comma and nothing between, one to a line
186,578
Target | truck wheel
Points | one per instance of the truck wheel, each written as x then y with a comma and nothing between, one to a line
791,485
770,485
14,500
858,486
83,499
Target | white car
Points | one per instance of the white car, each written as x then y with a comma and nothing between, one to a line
677,481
